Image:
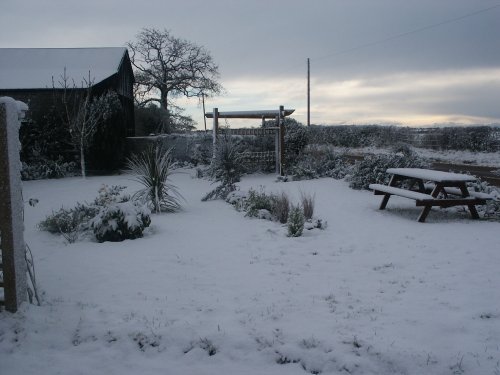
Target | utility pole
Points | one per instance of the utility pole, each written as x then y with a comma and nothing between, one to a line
204,118
308,92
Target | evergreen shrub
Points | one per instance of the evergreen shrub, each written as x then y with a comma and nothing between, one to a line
295,222
69,222
120,221
257,201
372,169
491,210
43,169
320,161
110,217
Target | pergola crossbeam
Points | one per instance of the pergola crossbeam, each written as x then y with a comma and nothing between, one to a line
264,114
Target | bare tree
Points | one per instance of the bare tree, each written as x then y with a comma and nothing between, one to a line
83,113
169,67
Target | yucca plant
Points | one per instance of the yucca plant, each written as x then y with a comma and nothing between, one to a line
152,168
226,168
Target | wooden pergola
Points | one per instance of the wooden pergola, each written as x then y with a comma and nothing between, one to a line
278,130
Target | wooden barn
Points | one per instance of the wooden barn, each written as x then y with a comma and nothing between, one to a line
32,75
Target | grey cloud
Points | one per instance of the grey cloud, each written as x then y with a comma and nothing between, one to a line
269,40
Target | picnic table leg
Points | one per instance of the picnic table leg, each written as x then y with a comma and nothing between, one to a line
427,209
421,186
472,207
473,211
385,199
424,213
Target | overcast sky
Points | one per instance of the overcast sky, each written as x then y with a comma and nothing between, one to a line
372,61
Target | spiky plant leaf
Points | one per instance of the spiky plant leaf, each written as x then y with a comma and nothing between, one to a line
152,168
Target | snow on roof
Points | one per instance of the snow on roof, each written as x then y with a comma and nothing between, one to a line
34,68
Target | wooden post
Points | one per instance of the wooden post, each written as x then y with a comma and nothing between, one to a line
281,123
277,146
204,118
308,93
12,244
215,129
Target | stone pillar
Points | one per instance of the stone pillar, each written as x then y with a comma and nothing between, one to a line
12,243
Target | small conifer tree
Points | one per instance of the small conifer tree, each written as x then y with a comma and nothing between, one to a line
295,222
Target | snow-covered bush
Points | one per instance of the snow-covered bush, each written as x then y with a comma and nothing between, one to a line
110,217
43,169
226,168
201,154
257,201
259,204
151,168
372,169
46,143
277,207
491,209
320,161
296,139
296,222
237,199
69,222
120,221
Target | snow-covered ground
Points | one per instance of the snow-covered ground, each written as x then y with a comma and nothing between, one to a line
374,293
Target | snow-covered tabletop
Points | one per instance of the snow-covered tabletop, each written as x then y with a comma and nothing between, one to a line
430,175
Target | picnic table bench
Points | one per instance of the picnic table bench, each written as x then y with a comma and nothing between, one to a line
430,188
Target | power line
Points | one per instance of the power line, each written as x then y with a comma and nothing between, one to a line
401,35
392,37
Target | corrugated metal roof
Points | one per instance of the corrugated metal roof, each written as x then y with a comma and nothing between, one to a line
34,68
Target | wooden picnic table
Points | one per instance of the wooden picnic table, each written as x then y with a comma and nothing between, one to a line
430,188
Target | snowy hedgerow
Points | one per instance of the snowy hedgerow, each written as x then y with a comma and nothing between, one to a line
296,222
120,221
47,168
372,169
320,161
296,139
